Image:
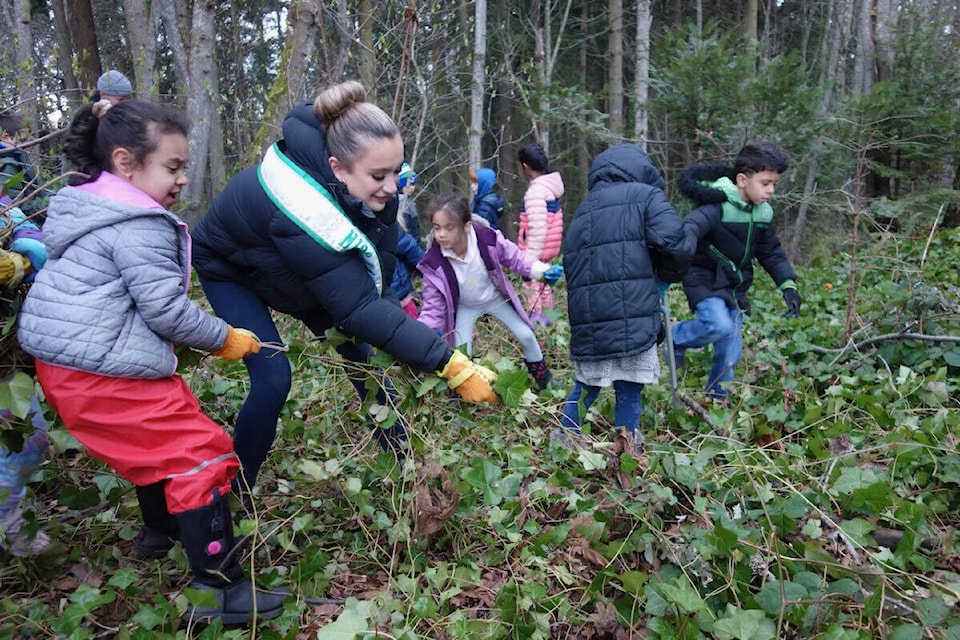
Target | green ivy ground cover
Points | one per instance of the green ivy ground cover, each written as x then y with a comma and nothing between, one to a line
821,503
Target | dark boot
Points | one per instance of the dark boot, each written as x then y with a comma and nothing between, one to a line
159,531
541,374
207,536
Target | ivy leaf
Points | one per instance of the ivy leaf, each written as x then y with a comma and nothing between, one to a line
751,624
682,594
907,632
15,394
353,621
851,479
771,599
932,611
633,581
592,460
510,386
313,469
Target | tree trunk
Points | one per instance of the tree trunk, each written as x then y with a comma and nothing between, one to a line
887,22
294,64
863,60
23,45
368,58
478,81
86,49
140,17
640,122
61,27
615,77
201,98
750,30
169,19
583,152
835,32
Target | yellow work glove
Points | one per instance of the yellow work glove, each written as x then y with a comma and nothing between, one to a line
239,344
13,267
465,378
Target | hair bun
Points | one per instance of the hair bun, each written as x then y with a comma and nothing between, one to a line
334,101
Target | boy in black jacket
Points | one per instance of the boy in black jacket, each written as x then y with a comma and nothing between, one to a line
734,224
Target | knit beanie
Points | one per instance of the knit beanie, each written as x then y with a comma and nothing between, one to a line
114,83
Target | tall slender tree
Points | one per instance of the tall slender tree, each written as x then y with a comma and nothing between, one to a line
642,81
615,73
478,82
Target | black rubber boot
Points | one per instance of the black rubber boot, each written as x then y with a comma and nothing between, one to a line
159,532
207,536
541,374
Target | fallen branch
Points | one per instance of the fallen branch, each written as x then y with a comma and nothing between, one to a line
887,337
700,411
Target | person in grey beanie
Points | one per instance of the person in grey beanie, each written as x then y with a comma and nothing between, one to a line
114,87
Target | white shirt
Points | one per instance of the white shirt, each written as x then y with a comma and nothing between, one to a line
476,287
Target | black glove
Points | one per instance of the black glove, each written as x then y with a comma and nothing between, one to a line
792,297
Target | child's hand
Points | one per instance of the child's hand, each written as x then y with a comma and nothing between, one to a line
240,343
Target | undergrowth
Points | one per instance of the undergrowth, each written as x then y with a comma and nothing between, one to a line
821,503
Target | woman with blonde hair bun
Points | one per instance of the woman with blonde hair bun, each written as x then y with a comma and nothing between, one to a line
310,231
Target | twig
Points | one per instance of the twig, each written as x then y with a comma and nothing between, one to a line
276,346
887,337
321,601
933,229
700,411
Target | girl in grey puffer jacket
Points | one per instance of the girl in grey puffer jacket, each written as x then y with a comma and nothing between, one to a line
101,320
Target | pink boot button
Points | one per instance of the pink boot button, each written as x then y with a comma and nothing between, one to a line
214,548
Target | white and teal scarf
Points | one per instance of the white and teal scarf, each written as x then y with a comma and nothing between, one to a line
314,209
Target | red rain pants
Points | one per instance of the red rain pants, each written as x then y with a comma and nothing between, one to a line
147,430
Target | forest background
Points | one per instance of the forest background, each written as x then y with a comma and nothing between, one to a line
822,504
862,93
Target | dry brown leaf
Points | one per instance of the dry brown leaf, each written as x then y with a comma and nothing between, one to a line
432,504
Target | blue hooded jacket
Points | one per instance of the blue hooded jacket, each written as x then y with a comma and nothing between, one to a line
487,203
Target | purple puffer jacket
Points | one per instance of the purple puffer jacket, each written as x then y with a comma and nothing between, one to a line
441,293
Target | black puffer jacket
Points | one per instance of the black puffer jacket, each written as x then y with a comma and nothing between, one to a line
731,234
623,235
245,238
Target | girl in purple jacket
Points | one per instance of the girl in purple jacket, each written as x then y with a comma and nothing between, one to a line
463,279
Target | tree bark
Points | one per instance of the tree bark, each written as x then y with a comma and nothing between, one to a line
477,83
80,16
140,17
202,96
615,77
61,28
23,45
750,30
641,92
863,61
368,58
294,63
169,19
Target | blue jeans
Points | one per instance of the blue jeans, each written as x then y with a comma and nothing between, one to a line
627,409
717,324
271,373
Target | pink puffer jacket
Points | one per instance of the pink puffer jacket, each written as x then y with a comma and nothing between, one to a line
541,217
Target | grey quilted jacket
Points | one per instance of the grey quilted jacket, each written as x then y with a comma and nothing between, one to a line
111,299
